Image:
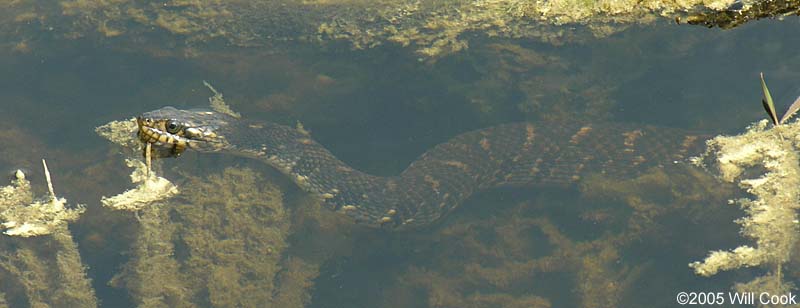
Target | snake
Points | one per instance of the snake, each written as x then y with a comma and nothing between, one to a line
440,179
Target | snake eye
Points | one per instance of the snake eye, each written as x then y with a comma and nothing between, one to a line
173,127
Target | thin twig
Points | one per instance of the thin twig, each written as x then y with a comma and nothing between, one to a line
148,157
49,181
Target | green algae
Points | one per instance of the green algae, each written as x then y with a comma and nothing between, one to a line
431,28
121,133
221,242
218,104
226,236
47,279
153,276
295,281
485,262
233,223
536,104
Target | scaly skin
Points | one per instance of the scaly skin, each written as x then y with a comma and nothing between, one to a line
517,154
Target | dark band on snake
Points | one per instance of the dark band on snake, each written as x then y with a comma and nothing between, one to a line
518,154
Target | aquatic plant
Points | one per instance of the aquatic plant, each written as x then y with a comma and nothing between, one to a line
486,261
150,189
769,105
25,217
220,240
152,277
432,28
773,209
771,220
54,276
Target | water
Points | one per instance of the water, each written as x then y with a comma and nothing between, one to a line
378,109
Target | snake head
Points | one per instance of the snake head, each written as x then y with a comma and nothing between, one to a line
171,131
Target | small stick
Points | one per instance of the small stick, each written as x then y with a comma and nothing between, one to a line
208,85
49,181
147,157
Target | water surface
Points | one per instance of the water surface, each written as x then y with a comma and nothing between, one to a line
378,109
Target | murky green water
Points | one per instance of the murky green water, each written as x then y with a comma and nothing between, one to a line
378,109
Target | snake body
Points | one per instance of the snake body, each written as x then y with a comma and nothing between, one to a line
517,154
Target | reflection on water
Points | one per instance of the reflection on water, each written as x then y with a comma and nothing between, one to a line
620,242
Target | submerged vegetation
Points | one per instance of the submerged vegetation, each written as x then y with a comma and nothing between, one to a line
238,237
771,219
772,211
221,241
225,239
231,230
47,271
433,28
484,261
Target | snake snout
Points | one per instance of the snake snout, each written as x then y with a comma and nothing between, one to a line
164,144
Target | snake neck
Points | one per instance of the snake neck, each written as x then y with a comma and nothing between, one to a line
311,166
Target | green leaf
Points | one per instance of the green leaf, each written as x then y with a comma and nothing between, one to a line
769,106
